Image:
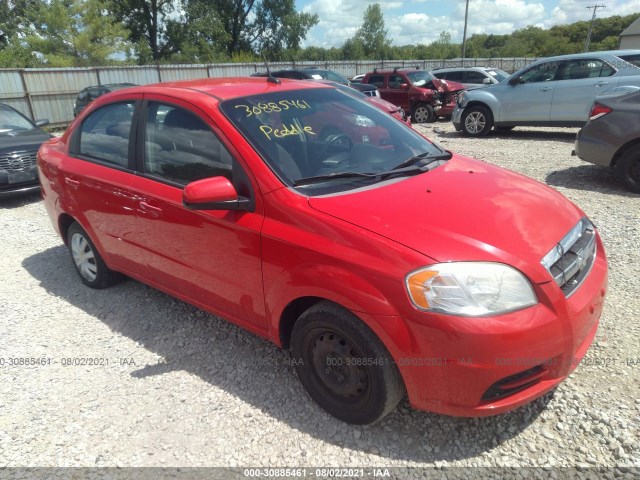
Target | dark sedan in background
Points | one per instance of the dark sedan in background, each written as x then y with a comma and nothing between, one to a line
313,73
612,136
20,139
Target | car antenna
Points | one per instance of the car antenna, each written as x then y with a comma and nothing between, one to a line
270,78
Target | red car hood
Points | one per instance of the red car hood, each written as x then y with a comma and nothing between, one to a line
464,210
447,85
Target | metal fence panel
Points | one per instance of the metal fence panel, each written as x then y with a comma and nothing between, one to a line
137,75
174,73
57,109
56,80
11,84
50,92
20,104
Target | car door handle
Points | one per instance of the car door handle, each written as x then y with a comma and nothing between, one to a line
145,207
71,182
546,89
600,84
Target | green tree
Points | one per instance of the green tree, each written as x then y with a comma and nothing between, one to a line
372,33
353,49
269,26
74,33
147,22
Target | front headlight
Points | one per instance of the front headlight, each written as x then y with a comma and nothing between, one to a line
462,98
472,289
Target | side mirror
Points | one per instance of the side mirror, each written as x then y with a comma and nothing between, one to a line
42,123
404,86
515,81
215,193
486,81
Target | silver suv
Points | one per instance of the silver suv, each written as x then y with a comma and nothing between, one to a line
471,77
554,91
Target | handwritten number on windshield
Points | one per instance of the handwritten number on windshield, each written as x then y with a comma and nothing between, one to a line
272,107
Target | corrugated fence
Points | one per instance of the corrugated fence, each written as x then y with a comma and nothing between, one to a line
50,92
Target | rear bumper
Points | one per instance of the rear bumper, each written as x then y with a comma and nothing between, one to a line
475,367
591,147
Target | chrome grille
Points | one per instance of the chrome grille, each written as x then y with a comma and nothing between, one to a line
18,161
571,259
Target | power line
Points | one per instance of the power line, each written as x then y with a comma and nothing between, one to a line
593,19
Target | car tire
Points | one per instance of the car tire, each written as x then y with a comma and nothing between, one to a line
88,263
628,167
476,121
343,365
423,113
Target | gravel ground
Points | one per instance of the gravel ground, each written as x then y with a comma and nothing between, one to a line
183,388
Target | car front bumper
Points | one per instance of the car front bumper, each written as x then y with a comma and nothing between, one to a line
456,117
475,367
18,182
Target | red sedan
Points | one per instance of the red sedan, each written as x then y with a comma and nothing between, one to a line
385,263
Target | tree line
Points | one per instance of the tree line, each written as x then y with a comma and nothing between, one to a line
69,33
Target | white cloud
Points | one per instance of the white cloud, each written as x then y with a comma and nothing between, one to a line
570,11
421,21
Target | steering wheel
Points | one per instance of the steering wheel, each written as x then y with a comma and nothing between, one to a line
337,139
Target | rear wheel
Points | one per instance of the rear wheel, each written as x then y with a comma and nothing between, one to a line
423,113
88,262
629,168
343,366
476,121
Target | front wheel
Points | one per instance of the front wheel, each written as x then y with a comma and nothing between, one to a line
476,121
343,366
423,113
88,262
629,168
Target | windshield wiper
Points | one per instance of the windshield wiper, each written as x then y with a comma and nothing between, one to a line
332,176
429,157
408,167
376,177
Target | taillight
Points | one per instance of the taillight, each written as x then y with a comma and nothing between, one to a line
598,111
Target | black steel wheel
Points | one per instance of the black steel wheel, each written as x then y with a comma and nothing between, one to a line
629,168
89,264
343,366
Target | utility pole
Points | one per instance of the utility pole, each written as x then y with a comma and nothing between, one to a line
593,19
464,35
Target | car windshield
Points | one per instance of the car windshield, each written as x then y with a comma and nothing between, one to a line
419,78
321,140
329,75
12,122
498,74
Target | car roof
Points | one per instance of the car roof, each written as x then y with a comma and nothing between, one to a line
615,53
227,88
446,69
397,70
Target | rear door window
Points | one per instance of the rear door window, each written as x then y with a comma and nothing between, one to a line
585,68
453,76
475,77
104,134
